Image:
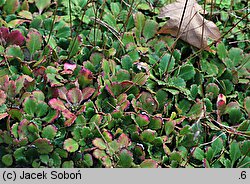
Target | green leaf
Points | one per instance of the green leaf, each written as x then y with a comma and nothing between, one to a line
62,153
115,8
155,123
164,63
184,106
68,164
42,4
198,154
30,105
49,132
149,163
14,51
235,115
221,50
11,6
122,75
245,148
212,91
88,160
177,81
236,55
175,156
99,143
126,62
41,109
247,105
234,152
51,116
150,29
34,41
195,110
148,135
56,159
187,72
140,78
2,2
139,19
74,46
106,161
217,146
169,127
125,159
99,153
7,160
39,95
44,159
209,68
19,154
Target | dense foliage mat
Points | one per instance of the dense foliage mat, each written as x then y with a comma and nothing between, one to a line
93,84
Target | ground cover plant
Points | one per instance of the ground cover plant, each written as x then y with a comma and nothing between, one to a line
106,83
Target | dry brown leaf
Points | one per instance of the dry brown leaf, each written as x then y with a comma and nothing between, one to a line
191,28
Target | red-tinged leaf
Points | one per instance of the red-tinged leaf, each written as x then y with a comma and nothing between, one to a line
68,68
4,82
51,117
87,92
21,81
70,121
22,128
3,97
70,145
99,153
140,78
16,114
67,114
106,161
107,87
74,95
142,120
85,77
124,141
3,115
81,110
62,91
221,103
123,102
57,104
11,89
108,135
4,32
43,145
39,71
34,41
15,38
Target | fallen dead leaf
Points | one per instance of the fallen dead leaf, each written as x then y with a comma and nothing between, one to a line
192,25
